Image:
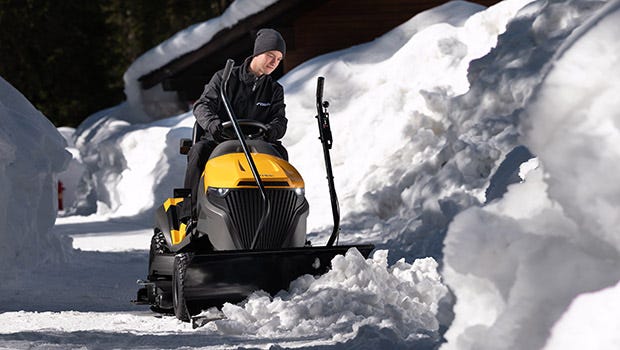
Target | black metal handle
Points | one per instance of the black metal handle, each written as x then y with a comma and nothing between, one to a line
319,92
227,70
244,146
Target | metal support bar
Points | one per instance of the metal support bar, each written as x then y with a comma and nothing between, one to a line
325,135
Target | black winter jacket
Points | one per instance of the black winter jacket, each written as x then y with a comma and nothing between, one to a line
257,98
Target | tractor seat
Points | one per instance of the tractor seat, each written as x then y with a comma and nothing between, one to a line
230,146
186,143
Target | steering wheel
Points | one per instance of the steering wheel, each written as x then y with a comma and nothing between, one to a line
252,129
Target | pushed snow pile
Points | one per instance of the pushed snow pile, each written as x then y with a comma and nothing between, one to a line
517,264
356,292
32,152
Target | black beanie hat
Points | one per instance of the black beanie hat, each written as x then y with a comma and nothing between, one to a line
267,40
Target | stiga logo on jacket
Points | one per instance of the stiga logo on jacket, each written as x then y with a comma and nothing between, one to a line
263,104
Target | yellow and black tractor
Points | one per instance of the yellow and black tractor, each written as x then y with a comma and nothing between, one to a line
250,229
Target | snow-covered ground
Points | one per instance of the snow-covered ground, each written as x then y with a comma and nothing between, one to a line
480,245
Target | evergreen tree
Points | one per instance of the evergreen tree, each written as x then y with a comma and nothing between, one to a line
68,57
49,51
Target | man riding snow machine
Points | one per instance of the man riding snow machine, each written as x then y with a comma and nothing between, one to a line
250,232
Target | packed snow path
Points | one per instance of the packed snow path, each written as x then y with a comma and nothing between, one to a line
351,304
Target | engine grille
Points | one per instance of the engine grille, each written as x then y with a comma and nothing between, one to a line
246,209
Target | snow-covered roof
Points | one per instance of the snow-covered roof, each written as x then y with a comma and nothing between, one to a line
186,41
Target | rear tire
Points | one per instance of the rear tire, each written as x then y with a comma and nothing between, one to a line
158,245
161,300
181,311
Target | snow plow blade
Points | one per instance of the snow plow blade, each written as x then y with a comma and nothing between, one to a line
230,276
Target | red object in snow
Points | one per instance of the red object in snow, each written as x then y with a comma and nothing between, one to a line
61,189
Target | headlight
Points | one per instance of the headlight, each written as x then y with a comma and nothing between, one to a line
218,192
300,192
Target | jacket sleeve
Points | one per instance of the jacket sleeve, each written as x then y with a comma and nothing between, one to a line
206,108
279,121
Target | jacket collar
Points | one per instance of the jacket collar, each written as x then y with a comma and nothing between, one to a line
245,74
248,77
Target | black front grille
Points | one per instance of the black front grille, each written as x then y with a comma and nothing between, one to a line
246,209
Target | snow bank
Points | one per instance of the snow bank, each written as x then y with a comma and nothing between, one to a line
582,326
32,153
131,168
402,162
155,103
71,177
582,121
516,265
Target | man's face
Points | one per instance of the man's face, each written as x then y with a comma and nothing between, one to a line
266,62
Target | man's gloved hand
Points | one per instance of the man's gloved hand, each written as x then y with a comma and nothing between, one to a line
271,134
215,129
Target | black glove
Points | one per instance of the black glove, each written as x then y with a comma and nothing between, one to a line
271,134
215,129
